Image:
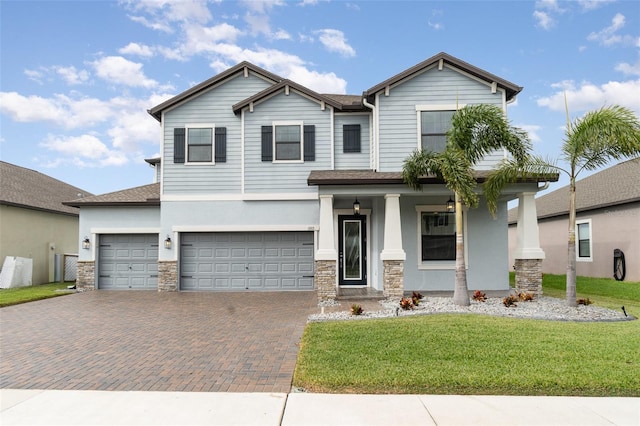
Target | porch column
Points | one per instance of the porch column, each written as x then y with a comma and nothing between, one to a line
528,255
326,259
392,255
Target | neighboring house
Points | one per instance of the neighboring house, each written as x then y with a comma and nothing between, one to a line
33,221
260,177
607,218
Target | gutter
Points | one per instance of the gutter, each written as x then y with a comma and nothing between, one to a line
374,136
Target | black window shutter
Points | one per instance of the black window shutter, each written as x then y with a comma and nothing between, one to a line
221,145
178,144
310,143
267,143
351,138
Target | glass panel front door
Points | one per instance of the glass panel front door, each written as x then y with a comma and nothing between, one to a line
352,255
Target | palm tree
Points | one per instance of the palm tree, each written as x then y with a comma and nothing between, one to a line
476,130
593,141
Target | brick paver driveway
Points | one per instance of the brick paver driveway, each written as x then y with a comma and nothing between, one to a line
144,340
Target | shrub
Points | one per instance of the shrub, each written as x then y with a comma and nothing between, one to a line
510,300
526,296
585,302
406,303
417,295
356,309
479,296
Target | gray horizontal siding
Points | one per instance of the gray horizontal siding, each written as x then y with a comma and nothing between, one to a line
267,177
214,107
352,160
397,112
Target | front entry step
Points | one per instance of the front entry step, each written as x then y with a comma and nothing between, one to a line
359,293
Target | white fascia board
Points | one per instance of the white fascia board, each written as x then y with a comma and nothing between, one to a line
241,197
244,228
125,230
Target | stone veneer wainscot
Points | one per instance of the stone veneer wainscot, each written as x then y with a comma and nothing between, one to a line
167,275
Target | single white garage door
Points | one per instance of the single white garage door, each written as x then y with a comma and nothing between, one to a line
128,261
246,261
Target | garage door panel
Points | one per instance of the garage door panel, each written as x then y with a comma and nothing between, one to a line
249,260
128,261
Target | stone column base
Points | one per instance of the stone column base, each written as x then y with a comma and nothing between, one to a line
393,277
167,275
529,276
325,279
86,275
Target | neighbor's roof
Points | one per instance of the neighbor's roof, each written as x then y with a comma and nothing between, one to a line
146,195
22,187
372,177
619,184
156,111
511,89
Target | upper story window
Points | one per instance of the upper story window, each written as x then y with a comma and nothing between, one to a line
583,240
199,144
289,142
433,129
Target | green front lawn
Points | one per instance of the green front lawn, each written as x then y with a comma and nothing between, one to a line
473,354
14,296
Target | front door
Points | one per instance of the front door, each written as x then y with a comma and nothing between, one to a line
352,239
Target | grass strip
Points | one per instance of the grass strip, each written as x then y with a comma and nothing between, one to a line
15,296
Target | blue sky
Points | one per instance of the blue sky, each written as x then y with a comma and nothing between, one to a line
77,77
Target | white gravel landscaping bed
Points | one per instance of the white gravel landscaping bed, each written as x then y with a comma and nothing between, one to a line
542,308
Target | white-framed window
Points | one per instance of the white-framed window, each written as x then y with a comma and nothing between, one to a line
199,141
437,237
288,141
433,123
584,248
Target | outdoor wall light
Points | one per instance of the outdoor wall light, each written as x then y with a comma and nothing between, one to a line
451,206
167,242
86,244
356,207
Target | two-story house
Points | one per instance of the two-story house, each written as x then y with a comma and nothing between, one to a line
265,184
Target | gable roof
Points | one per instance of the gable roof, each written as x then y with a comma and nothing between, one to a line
22,187
283,85
146,195
156,111
511,89
613,186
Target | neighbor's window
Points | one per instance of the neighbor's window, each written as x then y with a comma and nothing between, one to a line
199,144
433,129
583,240
288,142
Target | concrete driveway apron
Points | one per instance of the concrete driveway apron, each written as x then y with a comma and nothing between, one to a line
144,340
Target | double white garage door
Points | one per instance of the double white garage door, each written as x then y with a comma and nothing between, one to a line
246,261
211,261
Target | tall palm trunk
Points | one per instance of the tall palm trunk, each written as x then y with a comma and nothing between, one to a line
571,247
460,292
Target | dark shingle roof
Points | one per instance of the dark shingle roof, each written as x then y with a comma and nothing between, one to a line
28,188
146,195
619,184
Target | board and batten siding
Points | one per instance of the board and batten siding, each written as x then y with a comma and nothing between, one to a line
398,122
352,160
268,177
212,107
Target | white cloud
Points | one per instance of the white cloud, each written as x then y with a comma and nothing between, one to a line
532,130
60,109
34,75
608,36
629,69
162,14
137,49
588,96
71,75
118,70
544,20
335,41
84,150
199,39
319,82
434,21
588,5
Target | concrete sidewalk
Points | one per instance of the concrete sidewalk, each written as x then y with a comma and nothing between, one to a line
54,407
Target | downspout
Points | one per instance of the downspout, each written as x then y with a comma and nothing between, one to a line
374,133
